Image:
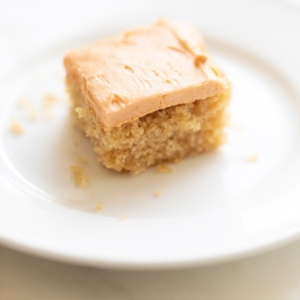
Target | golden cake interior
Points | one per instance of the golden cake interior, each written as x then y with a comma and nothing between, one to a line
166,135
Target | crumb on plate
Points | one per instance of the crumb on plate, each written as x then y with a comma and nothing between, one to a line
80,177
163,169
82,160
25,102
157,194
123,218
47,115
251,158
49,100
16,127
236,127
43,113
76,143
33,114
98,207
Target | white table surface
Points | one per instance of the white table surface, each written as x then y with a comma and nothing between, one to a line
269,276
272,276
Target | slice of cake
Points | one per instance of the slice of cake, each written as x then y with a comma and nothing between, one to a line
148,96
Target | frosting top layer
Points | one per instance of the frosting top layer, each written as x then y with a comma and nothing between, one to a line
142,70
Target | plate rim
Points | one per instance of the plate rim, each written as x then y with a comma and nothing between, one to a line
289,235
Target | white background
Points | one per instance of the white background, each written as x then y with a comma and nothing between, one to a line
274,275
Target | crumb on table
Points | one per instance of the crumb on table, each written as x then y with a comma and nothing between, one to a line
157,194
80,177
16,127
163,169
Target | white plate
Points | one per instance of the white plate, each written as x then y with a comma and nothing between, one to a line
213,207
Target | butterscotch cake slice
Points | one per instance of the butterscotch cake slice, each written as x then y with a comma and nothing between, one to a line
148,96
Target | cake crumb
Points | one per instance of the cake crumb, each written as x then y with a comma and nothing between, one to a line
49,100
163,169
82,160
251,158
33,114
80,177
82,112
99,207
25,102
236,127
16,127
157,194
47,115
61,78
123,218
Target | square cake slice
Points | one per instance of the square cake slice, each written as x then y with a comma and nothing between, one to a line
149,95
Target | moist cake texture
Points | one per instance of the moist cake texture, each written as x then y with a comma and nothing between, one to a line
148,96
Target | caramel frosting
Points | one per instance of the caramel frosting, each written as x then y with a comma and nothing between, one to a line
143,70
